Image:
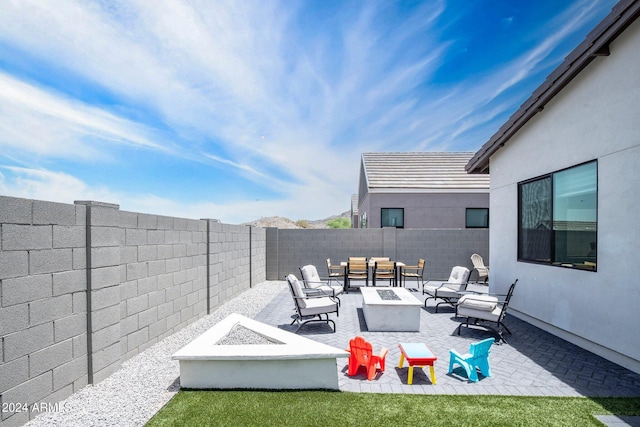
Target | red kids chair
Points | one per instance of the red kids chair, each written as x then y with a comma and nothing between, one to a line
361,354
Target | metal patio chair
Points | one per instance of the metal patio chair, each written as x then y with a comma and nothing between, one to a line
489,308
448,290
311,308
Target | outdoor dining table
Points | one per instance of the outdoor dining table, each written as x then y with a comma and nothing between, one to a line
372,264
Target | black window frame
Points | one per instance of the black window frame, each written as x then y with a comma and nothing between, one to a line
466,218
382,216
553,227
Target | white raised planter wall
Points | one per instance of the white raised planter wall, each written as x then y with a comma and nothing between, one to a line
294,362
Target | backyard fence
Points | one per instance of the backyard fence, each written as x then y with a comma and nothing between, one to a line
287,249
86,286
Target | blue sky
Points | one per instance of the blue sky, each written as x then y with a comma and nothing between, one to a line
243,109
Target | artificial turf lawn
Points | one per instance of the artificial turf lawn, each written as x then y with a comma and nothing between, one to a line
327,408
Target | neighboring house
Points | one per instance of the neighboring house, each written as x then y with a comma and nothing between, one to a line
565,195
421,190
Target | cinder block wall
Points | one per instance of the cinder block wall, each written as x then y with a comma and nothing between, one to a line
140,277
298,247
163,278
232,264
441,248
258,265
43,317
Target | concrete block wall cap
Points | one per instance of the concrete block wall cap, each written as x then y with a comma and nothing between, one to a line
291,346
95,203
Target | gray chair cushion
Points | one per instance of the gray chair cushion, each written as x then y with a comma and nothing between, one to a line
478,302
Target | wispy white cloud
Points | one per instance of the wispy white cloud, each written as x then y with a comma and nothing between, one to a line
42,184
268,92
55,186
473,103
555,32
41,122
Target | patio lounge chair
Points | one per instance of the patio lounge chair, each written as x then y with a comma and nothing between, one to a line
313,282
361,354
478,356
487,308
483,270
448,290
310,308
413,272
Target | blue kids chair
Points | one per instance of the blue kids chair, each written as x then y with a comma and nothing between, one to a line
478,356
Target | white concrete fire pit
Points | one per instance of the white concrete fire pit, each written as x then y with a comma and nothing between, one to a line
390,309
280,359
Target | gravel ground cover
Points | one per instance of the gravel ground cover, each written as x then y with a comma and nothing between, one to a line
146,382
239,335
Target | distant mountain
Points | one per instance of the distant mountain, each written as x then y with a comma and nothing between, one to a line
280,222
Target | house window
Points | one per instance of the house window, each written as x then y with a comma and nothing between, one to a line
477,218
557,218
392,217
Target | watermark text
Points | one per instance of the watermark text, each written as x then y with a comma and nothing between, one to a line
38,407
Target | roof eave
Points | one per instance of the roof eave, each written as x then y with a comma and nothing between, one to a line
596,44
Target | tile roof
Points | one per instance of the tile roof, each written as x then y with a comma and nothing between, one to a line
422,172
623,14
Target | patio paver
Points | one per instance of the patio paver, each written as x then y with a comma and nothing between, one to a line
532,362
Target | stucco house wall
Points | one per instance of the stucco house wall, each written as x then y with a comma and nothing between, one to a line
432,210
596,116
